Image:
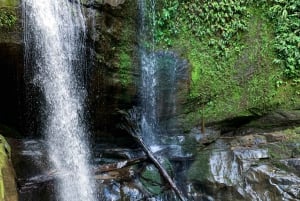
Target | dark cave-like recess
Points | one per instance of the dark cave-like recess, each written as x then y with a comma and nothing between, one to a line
11,85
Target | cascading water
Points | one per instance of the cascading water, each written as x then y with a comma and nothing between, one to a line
148,62
54,47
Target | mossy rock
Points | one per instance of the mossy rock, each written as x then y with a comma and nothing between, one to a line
296,152
151,177
8,191
279,150
200,169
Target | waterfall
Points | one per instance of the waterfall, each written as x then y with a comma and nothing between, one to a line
148,62
55,52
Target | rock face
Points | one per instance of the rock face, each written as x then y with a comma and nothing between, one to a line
251,167
11,62
111,78
112,82
112,2
115,75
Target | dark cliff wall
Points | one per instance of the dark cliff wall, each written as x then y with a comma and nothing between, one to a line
11,64
113,77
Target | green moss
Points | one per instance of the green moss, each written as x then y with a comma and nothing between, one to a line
200,169
279,150
9,3
292,136
126,55
151,180
151,177
125,68
8,18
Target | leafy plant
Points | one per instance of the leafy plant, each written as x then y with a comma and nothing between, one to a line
286,17
7,18
220,20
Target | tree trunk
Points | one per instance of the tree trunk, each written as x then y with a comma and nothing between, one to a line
202,120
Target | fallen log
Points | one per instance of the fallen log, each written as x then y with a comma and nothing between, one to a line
134,129
161,169
119,165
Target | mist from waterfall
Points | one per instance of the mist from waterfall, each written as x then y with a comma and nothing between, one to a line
55,51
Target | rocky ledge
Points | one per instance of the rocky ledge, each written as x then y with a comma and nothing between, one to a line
260,166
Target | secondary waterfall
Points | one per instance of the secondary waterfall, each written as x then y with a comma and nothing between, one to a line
55,50
148,62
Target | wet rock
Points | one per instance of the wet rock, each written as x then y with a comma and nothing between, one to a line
266,183
172,86
293,163
111,2
248,140
112,35
35,176
275,137
246,168
208,137
151,178
296,152
196,140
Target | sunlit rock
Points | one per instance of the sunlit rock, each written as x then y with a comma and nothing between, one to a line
8,190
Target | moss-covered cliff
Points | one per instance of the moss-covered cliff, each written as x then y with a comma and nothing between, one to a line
236,58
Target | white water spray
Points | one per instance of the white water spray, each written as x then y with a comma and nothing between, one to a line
54,39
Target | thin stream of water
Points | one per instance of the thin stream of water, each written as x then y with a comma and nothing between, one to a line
148,62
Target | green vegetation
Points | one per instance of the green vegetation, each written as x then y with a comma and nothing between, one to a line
125,56
286,17
7,18
235,56
124,68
